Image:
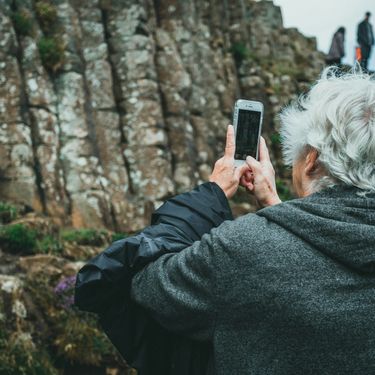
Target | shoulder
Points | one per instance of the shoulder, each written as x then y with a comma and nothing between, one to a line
250,235
231,232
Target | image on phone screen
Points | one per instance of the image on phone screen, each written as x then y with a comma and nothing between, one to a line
247,134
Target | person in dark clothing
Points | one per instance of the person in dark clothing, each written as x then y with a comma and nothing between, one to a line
365,39
337,49
103,284
287,290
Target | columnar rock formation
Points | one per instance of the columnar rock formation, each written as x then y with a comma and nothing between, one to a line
136,108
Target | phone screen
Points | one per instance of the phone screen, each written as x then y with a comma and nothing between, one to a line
247,134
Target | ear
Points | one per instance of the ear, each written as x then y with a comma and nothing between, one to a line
311,164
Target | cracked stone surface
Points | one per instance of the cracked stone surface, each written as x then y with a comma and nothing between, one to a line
138,109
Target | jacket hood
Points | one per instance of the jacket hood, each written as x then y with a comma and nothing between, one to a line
339,222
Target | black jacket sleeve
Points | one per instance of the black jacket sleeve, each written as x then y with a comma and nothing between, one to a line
103,284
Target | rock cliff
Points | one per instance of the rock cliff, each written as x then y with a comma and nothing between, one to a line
107,107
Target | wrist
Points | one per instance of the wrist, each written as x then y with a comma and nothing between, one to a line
271,201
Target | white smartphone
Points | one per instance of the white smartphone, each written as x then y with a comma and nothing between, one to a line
247,123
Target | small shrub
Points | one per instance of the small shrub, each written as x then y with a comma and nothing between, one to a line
7,212
49,245
47,15
22,22
240,52
74,337
17,238
79,340
18,357
51,52
18,353
88,236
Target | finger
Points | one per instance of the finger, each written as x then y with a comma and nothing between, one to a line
230,146
241,170
254,165
264,155
246,184
248,176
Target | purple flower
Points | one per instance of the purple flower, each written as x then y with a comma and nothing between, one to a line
64,290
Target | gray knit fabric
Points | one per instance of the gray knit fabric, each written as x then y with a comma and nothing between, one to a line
289,290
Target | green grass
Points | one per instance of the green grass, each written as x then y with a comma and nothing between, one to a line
49,245
51,51
91,237
22,22
18,357
17,238
47,15
240,52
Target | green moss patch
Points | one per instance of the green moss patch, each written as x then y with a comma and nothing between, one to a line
8,212
51,51
23,22
17,238
47,15
240,52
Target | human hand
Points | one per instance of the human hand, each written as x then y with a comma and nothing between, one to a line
225,173
260,179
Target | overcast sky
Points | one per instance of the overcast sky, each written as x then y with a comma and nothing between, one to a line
321,18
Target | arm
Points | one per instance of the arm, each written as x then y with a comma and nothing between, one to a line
180,290
179,222
103,284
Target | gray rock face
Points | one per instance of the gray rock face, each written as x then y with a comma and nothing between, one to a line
138,105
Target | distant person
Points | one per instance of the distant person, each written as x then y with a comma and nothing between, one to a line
337,49
365,39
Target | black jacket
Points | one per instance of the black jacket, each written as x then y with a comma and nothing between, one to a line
363,36
103,284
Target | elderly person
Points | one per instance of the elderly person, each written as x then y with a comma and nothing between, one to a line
289,289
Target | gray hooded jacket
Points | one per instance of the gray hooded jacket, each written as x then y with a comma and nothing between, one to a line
288,290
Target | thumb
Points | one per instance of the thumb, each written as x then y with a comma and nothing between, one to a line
254,165
239,171
248,184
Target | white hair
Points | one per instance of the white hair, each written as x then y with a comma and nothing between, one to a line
337,118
